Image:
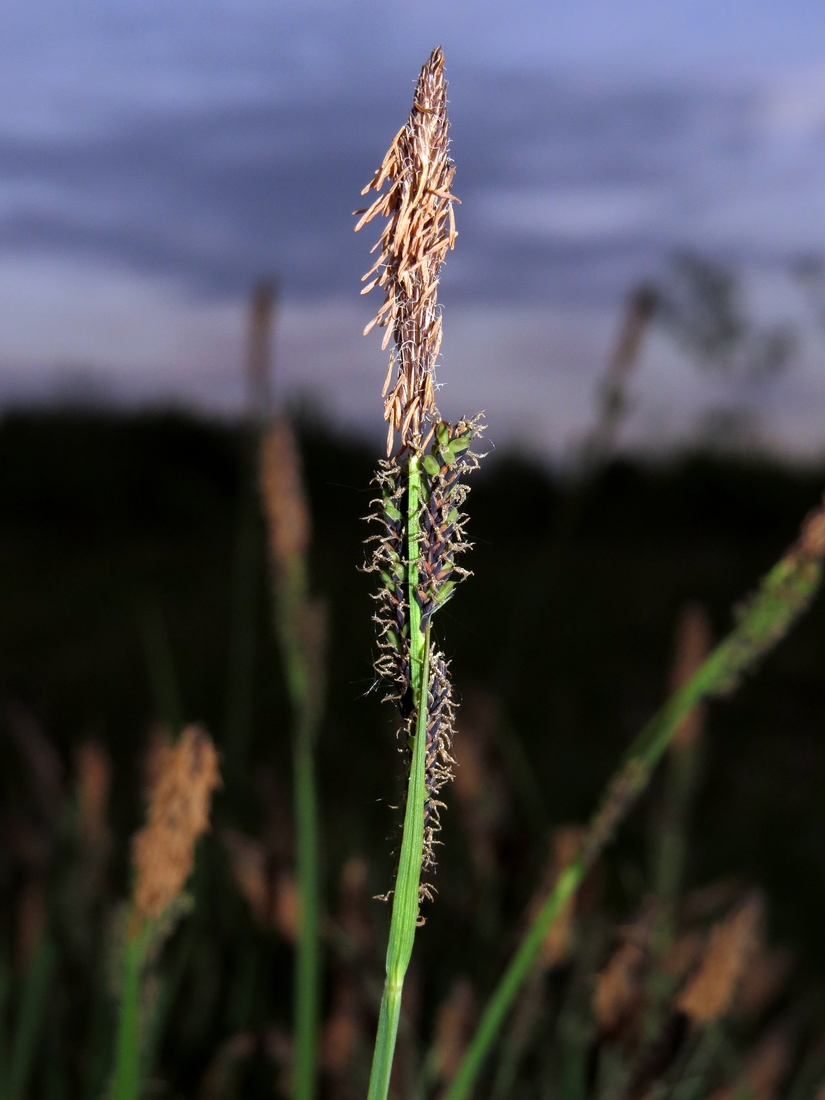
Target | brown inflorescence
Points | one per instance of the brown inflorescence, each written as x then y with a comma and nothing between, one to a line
248,861
178,813
765,1069
342,1031
453,1029
283,498
763,979
419,231
270,892
619,990
811,542
710,993
94,780
559,939
259,348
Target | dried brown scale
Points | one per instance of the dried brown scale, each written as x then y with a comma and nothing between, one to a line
178,814
420,230
711,991
289,527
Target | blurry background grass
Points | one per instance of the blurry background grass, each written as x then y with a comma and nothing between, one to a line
104,517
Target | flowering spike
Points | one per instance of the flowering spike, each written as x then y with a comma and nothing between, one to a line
420,229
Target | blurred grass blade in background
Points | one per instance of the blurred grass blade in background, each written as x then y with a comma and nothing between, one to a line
30,1017
246,571
160,664
670,842
183,777
300,623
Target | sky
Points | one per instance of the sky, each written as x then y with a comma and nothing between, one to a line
157,159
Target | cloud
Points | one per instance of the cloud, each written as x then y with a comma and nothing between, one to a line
585,214
554,176
155,161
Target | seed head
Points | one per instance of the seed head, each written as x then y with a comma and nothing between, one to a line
619,989
453,1029
419,231
94,780
765,1070
710,993
559,939
179,804
282,496
811,543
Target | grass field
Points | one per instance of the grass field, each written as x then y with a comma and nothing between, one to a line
117,539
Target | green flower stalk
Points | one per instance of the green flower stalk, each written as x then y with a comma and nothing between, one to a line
418,512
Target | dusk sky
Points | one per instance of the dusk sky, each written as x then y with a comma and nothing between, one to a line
157,158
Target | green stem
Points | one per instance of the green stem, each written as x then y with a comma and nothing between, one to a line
672,834
668,870
160,663
32,1006
127,1084
243,625
305,694
404,908
307,962
405,897
785,592
5,998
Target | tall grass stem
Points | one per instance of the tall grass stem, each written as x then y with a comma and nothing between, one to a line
126,1084
242,627
160,664
291,599
299,626
406,896
308,953
32,1009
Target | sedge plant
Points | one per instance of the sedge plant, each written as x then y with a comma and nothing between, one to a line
300,627
418,512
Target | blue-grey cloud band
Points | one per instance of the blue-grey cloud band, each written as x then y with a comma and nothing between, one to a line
568,192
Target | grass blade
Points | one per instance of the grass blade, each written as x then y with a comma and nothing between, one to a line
243,626
300,628
160,664
126,1083
308,960
32,1005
